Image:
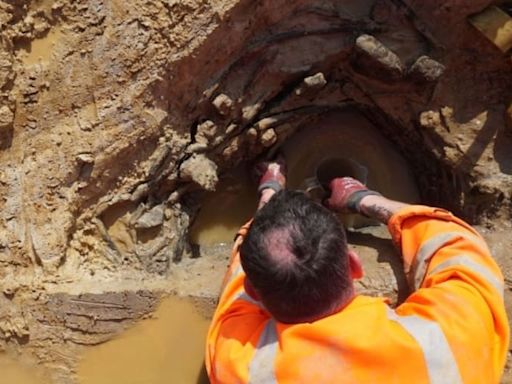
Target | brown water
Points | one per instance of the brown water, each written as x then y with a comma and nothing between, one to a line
16,372
223,212
169,348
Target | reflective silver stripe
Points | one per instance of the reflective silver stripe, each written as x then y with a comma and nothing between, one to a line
261,368
245,297
473,266
441,365
430,247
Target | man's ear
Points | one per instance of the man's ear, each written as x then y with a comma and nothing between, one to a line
251,291
356,267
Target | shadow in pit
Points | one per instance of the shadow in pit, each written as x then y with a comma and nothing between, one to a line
203,377
386,254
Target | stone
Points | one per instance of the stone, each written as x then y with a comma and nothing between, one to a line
200,170
249,112
376,60
427,69
85,158
252,135
206,131
269,138
223,104
311,84
6,118
151,219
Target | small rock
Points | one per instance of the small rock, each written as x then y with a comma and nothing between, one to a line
6,117
311,84
10,288
151,219
205,132
223,104
201,170
427,69
250,112
266,123
269,138
85,158
197,147
234,147
252,135
231,128
377,60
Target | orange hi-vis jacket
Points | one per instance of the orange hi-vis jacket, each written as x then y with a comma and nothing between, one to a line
452,329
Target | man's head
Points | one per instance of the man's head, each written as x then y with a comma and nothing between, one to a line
296,258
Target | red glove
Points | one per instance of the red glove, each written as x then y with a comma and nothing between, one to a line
271,174
346,195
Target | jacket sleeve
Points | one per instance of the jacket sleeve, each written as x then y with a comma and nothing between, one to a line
457,288
236,317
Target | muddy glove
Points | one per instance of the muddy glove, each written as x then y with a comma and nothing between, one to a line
346,195
271,174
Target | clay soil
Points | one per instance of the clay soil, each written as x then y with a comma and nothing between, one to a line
117,116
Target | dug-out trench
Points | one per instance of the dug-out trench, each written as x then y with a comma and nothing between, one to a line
125,165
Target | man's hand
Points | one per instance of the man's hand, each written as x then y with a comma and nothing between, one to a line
346,194
349,195
271,176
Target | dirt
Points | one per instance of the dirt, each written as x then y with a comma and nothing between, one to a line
117,118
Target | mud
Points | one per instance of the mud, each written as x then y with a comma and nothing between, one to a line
118,118
167,348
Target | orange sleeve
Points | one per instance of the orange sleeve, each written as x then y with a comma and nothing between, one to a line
225,329
457,284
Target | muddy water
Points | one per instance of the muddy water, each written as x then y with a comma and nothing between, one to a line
15,372
168,348
223,212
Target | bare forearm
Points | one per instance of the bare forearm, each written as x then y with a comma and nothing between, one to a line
380,208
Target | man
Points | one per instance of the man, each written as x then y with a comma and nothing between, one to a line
288,312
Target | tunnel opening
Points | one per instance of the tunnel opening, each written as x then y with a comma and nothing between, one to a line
336,143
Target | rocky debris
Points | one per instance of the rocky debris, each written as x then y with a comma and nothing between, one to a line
200,170
376,60
268,138
152,218
206,132
311,85
223,104
426,69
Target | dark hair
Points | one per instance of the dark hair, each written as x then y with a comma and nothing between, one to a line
295,256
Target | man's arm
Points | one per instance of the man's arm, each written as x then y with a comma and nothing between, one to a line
380,208
456,310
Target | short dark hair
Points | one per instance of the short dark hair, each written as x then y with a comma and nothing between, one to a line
295,256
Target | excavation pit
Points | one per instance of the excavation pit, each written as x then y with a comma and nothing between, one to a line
116,118
338,144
